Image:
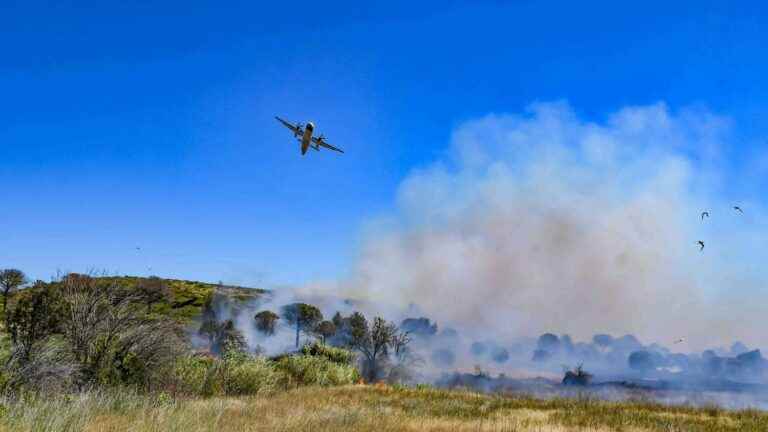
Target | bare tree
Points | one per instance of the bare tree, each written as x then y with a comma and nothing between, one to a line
10,281
400,343
374,342
45,366
104,325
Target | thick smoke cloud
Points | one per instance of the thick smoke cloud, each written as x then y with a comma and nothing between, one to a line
544,222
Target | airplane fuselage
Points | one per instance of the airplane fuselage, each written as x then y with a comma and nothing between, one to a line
306,139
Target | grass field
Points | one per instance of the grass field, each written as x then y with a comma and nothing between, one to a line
364,408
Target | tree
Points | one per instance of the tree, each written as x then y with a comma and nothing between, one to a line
35,315
338,320
342,335
223,336
567,343
304,316
10,281
499,354
641,361
549,342
110,337
153,290
577,377
266,321
325,329
374,342
478,349
419,326
604,341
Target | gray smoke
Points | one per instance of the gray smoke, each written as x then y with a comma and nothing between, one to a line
544,222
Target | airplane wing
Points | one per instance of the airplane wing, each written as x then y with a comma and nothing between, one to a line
294,129
326,145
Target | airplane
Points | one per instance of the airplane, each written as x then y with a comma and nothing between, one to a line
304,135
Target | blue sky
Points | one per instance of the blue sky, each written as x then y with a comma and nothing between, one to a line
151,126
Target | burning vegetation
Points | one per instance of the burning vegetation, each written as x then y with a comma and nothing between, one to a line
81,331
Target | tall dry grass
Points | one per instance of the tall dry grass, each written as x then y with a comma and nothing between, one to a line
362,408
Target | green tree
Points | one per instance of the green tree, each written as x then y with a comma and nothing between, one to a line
10,281
338,320
223,336
303,316
35,315
325,329
266,321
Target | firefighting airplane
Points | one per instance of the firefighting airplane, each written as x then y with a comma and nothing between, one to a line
304,135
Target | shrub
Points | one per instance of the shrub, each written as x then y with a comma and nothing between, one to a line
316,370
46,366
577,377
236,374
336,355
190,374
254,375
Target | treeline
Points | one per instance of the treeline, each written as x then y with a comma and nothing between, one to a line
81,332
380,347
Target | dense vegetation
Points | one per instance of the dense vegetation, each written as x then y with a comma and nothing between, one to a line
82,334
114,353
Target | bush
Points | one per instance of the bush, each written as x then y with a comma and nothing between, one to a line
315,370
190,374
251,375
336,355
236,374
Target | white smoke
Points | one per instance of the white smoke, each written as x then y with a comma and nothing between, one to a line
545,222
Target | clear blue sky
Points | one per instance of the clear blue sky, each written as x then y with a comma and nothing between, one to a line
126,124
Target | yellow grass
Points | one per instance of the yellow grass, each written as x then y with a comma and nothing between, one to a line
364,408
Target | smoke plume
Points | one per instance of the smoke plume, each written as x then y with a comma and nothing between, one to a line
542,221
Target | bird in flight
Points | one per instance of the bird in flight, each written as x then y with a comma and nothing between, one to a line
706,213
701,243
682,339
738,209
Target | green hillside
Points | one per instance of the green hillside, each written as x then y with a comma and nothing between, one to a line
188,298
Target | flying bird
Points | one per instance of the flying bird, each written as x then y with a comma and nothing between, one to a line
682,339
701,243
738,209
706,213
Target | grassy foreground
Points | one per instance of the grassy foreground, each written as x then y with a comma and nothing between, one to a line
364,408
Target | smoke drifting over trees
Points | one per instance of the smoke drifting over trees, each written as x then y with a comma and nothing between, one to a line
544,222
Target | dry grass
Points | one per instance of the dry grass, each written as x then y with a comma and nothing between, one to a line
365,408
